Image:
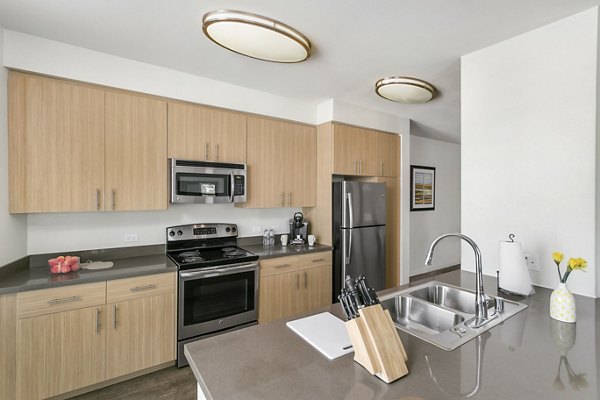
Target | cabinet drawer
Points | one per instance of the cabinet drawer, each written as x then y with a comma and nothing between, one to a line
47,301
315,259
139,286
273,266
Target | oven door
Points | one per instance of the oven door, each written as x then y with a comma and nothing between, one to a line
216,299
205,182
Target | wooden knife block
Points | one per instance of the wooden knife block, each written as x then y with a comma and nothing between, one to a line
377,346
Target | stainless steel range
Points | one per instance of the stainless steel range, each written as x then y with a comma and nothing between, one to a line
218,282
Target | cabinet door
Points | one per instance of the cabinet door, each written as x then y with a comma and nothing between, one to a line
388,154
301,178
189,131
228,136
278,296
141,334
136,152
345,149
367,150
60,352
56,145
267,163
315,288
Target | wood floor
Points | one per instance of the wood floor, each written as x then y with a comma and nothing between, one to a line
167,384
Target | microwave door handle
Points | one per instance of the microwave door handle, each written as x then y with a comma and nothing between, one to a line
232,186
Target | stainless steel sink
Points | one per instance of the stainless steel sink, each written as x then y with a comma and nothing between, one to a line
439,313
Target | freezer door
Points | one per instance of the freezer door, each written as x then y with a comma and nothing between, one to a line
363,204
363,253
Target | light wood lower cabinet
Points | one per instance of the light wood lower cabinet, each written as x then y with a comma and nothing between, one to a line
72,337
293,284
141,323
60,352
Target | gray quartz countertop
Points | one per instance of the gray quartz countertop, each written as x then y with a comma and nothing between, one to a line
528,356
281,251
31,272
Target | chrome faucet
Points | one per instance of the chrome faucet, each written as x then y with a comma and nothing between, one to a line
481,311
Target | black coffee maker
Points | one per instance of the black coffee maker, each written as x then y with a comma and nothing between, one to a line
298,229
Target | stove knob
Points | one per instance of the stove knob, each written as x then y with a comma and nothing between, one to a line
228,229
179,233
233,229
172,233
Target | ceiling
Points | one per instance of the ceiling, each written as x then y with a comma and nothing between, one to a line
354,43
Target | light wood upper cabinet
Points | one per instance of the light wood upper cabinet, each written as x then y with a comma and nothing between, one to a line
281,159
75,147
56,145
201,133
136,152
388,154
364,152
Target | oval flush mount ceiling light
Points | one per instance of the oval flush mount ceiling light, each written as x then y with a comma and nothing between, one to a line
256,36
405,90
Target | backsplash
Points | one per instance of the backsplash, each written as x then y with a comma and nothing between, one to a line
59,232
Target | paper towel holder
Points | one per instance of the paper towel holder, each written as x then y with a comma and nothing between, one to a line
511,237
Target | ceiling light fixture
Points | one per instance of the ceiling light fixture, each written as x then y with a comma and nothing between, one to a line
256,36
405,90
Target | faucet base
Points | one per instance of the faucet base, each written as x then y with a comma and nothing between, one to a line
477,322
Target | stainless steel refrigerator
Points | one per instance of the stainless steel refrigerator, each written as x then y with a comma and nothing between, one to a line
358,233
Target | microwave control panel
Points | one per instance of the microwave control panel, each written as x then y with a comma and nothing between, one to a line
239,183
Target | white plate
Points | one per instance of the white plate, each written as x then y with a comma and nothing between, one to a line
97,265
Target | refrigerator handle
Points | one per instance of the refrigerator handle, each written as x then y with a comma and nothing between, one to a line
349,250
350,213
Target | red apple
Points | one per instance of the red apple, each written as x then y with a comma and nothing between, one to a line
54,269
53,261
60,258
65,269
75,266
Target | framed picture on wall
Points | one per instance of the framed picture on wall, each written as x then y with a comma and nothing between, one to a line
422,188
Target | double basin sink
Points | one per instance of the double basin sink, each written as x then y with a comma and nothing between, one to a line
439,313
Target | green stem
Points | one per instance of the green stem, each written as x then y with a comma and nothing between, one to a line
559,274
566,276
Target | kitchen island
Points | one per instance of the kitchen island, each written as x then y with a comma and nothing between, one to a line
529,356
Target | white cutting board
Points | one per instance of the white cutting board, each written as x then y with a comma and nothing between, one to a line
324,332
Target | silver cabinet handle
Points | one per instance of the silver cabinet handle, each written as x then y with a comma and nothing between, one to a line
305,280
282,266
115,317
382,168
206,150
318,260
290,199
64,300
297,281
113,198
282,199
217,152
97,320
97,199
360,166
141,288
354,166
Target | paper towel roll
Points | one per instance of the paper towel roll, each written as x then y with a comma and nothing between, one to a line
514,275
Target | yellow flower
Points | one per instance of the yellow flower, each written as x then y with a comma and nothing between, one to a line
558,257
577,263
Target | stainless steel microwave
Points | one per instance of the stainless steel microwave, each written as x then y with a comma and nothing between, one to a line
206,182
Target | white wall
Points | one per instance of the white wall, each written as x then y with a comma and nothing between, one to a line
13,235
56,232
529,147
427,225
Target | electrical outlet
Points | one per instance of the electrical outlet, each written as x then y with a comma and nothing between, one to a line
132,237
531,261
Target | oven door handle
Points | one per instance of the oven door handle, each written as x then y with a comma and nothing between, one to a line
219,271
